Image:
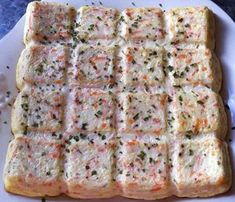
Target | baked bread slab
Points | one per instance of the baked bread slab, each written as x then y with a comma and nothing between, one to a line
42,64
192,25
142,23
118,103
89,164
96,23
197,110
142,166
199,166
33,167
143,66
38,109
94,66
194,67
142,112
91,110
48,22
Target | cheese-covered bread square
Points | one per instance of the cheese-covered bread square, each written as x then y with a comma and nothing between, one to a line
142,167
38,109
96,22
93,66
200,167
39,64
48,22
142,112
33,167
142,24
197,110
91,110
89,165
143,66
194,67
192,25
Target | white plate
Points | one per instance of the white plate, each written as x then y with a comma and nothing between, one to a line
11,46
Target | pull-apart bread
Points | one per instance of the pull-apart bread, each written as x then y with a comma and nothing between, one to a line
118,103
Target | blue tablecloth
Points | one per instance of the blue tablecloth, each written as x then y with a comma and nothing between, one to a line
12,10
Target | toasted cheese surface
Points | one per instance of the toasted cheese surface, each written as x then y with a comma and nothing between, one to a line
143,66
118,103
142,23
96,22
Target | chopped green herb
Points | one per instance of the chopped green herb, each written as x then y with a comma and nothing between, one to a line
142,155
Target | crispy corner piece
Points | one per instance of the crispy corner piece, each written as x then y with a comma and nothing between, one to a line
32,167
200,167
192,25
48,22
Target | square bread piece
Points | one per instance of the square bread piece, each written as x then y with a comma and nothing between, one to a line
48,22
91,110
38,109
33,167
143,66
88,168
192,25
197,110
194,67
200,167
142,166
142,24
96,22
40,64
93,66
142,112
